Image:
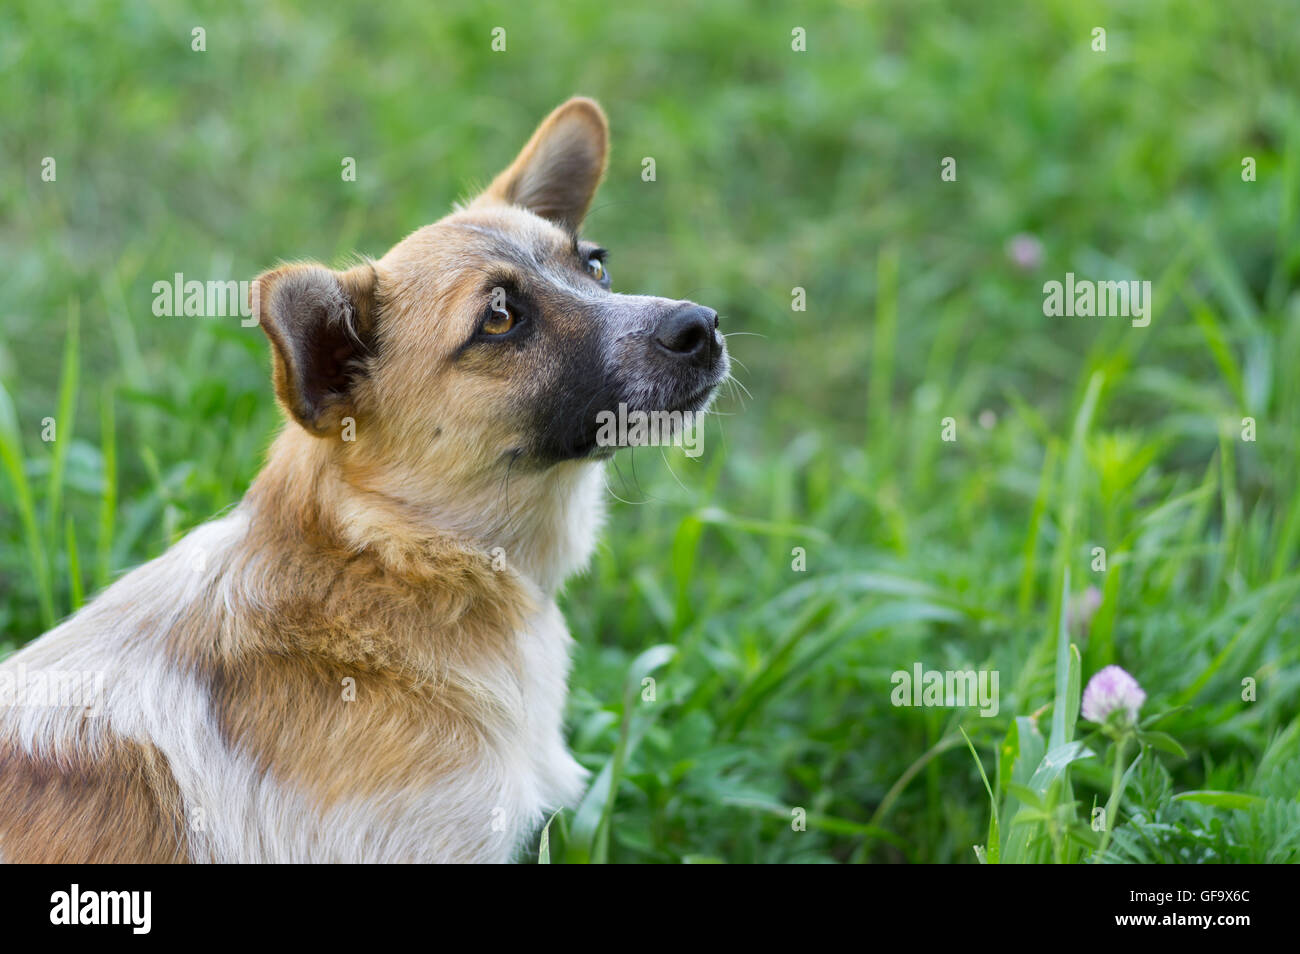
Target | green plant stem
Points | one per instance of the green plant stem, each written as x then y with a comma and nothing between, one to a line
1116,790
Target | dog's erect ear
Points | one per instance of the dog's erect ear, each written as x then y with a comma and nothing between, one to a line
320,323
556,174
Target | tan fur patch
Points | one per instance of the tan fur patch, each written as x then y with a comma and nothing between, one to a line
119,805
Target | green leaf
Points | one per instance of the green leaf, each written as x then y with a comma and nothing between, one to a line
1162,741
1237,801
544,849
993,839
647,662
1055,762
1027,795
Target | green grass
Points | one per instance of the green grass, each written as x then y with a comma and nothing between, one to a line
775,169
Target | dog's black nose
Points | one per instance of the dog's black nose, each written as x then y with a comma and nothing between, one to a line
687,332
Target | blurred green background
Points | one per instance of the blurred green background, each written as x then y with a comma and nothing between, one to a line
776,169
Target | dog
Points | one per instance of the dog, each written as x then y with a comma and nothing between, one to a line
363,661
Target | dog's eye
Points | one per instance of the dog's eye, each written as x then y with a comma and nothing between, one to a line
499,322
596,268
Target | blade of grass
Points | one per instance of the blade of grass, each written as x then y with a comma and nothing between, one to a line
1029,573
77,591
544,848
882,345
1071,506
64,421
11,457
992,851
108,497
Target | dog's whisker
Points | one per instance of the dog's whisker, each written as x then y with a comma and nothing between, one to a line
509,469
636,480
619,470
732,379
634,503
664,455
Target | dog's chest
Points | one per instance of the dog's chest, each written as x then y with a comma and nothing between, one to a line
544,653
521,773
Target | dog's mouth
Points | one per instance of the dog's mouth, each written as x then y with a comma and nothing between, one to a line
607,432
651,403
697,401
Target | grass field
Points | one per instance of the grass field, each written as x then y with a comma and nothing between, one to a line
829,536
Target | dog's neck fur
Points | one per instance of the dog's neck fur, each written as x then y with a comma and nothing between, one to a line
545,523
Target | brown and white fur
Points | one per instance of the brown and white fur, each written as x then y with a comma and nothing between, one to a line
363,660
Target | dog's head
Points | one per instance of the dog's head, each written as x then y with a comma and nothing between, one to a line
491,340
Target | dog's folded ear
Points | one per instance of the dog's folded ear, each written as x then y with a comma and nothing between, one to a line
321,326
556,174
